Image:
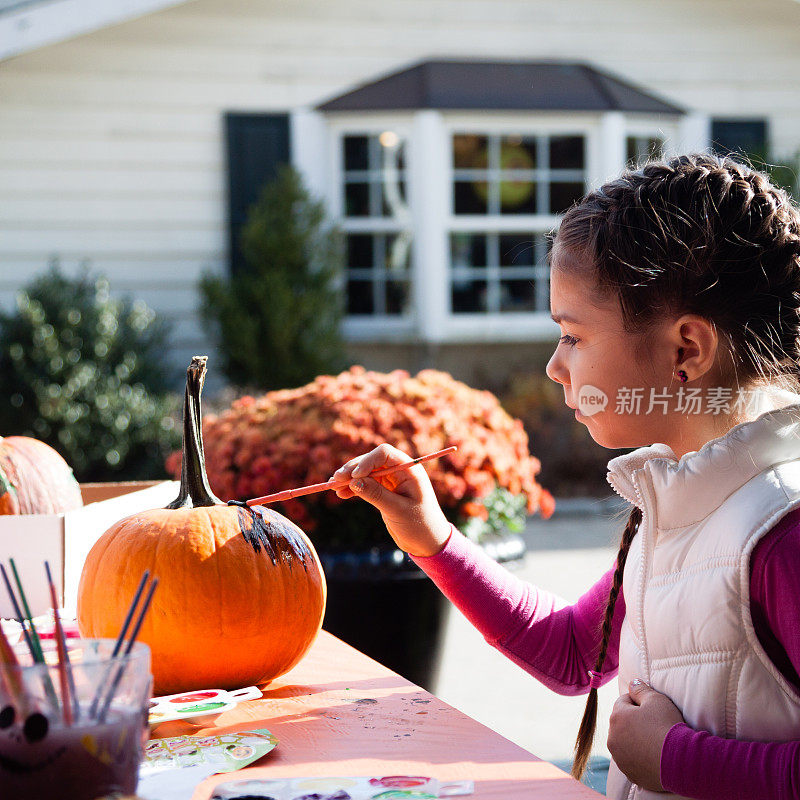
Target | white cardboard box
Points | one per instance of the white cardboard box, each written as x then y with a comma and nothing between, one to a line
65,539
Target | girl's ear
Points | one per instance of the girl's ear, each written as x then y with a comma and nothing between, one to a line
695,344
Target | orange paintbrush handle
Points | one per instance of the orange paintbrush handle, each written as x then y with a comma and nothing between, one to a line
288,494
66,700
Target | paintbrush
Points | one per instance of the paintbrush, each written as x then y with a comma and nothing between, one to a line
69,697
31,637
118,644
28,616
288,494
18,611
101,716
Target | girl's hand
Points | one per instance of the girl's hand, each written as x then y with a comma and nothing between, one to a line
639,724
405,499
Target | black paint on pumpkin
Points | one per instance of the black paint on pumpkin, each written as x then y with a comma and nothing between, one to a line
262,527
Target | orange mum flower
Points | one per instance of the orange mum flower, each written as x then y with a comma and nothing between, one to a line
293,437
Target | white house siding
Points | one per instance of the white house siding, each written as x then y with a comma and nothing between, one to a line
111,145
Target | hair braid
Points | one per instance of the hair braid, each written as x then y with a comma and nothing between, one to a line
583,744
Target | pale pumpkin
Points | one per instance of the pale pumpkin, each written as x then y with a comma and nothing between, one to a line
35,479
241,593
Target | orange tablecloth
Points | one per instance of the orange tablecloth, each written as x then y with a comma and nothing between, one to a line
338,712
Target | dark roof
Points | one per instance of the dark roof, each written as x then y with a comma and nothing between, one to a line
501,85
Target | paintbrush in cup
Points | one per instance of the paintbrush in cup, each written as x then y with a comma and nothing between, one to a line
69,698
28,616
101,717
29,631
18,612
288,494
118,644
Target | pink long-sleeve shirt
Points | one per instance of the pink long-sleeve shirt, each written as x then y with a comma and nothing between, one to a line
557,643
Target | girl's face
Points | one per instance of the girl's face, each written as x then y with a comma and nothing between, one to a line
597,364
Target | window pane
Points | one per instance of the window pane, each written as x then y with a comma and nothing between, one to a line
631,150
359,297
392,154
356,199
394,199
566,152
655,147
470,198
468,296
468,250
517,296
396,297
470,152
397,250
516,251
517,197
563,195
517,152
360,251
356,152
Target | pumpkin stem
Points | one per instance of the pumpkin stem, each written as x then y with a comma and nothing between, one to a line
195,490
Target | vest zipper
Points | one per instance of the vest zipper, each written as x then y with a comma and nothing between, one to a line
643,568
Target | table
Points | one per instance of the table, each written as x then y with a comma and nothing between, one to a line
338,712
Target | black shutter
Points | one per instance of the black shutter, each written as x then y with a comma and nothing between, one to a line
257,144
747,136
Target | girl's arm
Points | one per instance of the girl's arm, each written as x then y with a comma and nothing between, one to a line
697,764
550,639
555,642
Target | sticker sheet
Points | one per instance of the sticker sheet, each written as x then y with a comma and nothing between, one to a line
225,752
389,787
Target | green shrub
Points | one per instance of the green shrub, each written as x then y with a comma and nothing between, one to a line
278,318
83,372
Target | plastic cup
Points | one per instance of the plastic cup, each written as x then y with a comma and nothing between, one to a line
43,756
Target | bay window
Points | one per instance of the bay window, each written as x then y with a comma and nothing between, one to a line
448,175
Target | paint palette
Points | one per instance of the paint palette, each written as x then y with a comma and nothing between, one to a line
199,707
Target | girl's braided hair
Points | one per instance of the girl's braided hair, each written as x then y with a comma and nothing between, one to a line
697,234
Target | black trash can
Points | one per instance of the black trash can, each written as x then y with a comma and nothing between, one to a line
383,604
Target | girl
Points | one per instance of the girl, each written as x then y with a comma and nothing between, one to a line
677,288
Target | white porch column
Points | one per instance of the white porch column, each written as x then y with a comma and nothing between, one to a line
612,146
694,133
309,150
428,193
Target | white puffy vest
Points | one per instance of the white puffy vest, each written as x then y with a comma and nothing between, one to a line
687,629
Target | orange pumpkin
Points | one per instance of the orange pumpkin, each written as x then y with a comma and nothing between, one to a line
241,592
35,479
